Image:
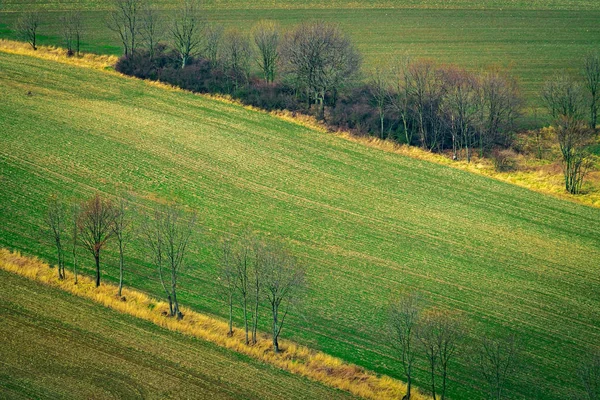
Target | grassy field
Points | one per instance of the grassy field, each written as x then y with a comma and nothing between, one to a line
367,223
76,349
533,40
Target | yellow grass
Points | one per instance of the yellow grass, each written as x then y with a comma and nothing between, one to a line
543,180
294,358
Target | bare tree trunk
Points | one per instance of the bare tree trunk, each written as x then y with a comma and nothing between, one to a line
246,319
120,268
230,333
275,330
97,258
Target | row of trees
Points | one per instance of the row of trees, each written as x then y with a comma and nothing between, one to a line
250,270
437,336
253,271
573,103
314,67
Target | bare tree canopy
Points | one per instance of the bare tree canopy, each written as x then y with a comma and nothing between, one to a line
379,88
283,280
151,28
501,106
95,223
72,30
461,102
573,138
589,374
497,362
56,218
591,74
439,333
320,58
266,39
27,27
236,57
213,45
563,97
167,234
403,320
125,20
227,277
186,31
123,231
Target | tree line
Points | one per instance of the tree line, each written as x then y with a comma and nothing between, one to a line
251,270
431,338
314,68
255,275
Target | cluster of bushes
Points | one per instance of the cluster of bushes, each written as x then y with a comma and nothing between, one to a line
314,69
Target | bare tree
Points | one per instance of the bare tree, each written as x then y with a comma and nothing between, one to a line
167,235
72,30
563,97
589,374
27,27
500,106
186,31
151,28
497,361
214,36
227,278
379,90
56,220
404,317
125,20
400,96
257,283
283,279
591,74
573,137
243,264
122,228
426,89
95,227
461,103
266,39
439,333
75,212
236,56
319,58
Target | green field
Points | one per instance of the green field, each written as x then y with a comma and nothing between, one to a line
366,222
76,349
532,39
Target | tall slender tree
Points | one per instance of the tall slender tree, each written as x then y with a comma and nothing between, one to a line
95,227
284,278
122,228
125,20
404,318
186,31
266,39
591,74
57,221
27,27
167,234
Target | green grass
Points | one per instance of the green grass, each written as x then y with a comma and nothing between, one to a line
75,349
367,223
533,40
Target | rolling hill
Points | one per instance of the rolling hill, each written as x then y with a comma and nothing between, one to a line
77,349
533,40
366,222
